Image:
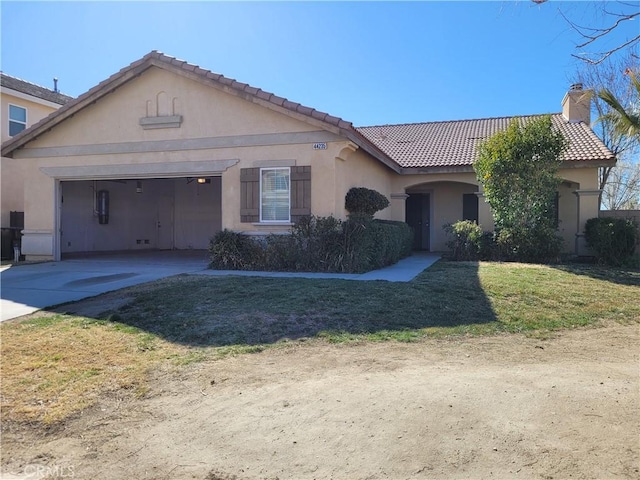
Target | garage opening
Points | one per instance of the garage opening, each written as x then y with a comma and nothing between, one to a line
139,214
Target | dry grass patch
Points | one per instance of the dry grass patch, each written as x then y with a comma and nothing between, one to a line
55,365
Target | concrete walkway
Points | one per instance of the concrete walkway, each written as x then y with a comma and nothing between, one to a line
27,288
403,271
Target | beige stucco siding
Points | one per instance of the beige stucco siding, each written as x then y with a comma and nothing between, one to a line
12,188
205,111
220,134
358,169
12,178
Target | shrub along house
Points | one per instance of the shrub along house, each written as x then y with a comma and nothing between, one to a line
163,154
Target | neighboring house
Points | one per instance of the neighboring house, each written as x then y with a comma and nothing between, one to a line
163,154
23,104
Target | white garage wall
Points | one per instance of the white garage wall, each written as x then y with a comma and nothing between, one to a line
198,215
189,214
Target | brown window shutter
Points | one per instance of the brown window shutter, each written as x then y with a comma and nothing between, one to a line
300,192
249,195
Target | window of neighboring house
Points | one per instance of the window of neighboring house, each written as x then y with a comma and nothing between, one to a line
470,207
17,119
275,194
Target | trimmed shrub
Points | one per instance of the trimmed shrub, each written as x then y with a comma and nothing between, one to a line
230,250
316,244
364,201
467,241
313,246
371,244
612,239
534,245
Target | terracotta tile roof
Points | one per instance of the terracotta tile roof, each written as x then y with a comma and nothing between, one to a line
421,145
28,88
454,143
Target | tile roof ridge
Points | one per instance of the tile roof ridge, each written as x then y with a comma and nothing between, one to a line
458,120
251,90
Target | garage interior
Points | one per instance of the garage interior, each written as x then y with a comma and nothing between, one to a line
139,214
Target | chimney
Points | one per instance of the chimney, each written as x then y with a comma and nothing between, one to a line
55,84
576,104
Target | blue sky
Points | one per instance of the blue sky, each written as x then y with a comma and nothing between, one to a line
369,63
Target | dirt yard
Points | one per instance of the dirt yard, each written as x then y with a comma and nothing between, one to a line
491,407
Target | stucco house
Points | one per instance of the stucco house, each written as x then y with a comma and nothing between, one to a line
163,154
22,104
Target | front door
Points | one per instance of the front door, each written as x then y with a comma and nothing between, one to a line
418,218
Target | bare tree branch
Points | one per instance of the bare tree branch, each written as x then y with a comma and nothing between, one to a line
605,55
591,35
610,75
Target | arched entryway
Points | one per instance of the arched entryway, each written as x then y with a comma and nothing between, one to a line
430,206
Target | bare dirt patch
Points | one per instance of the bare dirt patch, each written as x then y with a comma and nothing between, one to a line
489,407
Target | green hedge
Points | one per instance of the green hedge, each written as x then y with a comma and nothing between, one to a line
534,245
316,244
612,239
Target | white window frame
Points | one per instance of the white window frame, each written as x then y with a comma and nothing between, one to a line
16,121
288,219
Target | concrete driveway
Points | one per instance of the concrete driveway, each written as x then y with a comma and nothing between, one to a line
28,288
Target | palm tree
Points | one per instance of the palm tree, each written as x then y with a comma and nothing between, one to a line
626,121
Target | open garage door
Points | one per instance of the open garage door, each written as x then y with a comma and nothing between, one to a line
139,214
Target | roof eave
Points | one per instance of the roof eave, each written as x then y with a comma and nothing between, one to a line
70,109
598,163
369,147
437,169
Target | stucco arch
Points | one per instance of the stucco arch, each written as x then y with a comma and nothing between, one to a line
448,200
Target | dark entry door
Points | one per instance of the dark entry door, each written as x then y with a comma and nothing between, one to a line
418,218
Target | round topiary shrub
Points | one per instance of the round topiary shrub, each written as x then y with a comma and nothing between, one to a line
364,201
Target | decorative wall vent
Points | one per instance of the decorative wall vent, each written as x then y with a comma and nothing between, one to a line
162,112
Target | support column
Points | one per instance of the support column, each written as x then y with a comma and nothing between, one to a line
40,210
398,206
587,207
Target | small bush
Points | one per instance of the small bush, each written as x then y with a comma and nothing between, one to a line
533,245
229,250
467,241
612,239
313,246
364,201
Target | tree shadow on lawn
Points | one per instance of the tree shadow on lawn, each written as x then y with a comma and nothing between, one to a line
223,311
619,275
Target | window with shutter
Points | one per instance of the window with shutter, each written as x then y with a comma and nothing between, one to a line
249,194
275,194
300,192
